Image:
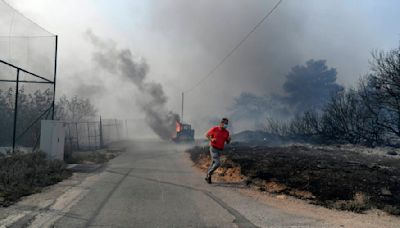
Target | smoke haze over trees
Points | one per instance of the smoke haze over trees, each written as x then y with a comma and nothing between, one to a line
74,109
310,86
369,115
307,87
256,109
31,104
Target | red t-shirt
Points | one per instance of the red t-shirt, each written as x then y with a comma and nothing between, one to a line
220,135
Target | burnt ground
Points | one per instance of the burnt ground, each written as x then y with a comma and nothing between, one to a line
336,178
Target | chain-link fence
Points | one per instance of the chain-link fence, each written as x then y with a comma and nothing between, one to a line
28,56
93,135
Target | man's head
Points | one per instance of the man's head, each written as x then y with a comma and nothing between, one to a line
224,123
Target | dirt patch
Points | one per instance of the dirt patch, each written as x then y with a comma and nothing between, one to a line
339,179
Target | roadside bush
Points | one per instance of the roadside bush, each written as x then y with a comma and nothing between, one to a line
380,90
302,128
347,120
344,119
23,174
369,115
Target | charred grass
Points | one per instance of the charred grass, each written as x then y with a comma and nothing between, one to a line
337,179
24,174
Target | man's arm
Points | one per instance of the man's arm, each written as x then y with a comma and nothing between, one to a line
210,138
209,135
228,140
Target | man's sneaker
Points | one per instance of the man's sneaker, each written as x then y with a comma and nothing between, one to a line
208,179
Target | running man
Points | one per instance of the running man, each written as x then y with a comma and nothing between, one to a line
217,136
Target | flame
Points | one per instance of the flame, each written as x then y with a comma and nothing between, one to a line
178,126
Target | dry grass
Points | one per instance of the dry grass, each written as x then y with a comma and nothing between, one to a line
228,172
23,174
93,157
359,203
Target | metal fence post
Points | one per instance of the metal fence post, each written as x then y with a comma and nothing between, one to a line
88,134
55,76
117,129
101,134
15,111
70,137
126,129
95,137
77,136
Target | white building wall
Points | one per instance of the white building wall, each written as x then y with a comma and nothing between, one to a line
52,139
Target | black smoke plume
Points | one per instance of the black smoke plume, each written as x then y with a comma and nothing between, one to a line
152,100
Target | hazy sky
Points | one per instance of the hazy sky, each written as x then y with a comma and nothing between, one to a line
182,40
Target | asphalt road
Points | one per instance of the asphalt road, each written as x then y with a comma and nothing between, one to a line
154,185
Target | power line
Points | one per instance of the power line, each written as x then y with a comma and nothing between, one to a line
234,49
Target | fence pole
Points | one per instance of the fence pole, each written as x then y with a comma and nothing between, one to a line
101,134
117,129
88,133
15,112
95,136
77,136
55,76
126,129
70,137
